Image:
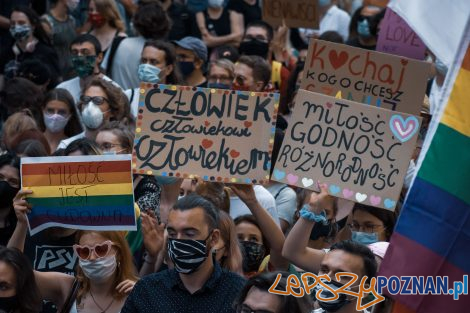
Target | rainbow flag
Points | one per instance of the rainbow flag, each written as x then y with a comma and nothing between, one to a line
432,236
80,192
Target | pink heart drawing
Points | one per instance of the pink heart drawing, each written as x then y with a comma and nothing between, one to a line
347,193
403,129
375,200
292,179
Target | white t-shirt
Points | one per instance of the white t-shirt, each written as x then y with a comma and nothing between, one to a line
286,201
133,95
65,142
265,199
334,19
73,86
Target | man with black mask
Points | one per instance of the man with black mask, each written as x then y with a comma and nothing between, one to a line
197,283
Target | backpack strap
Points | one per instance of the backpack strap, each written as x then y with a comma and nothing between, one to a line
279,192
71,297
114,46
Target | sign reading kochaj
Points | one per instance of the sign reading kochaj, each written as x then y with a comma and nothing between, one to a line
361,152
294,13
369,77
81,192
217,135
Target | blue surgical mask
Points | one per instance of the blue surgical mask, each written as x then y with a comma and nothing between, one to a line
363,28
149,73
218,86
364,238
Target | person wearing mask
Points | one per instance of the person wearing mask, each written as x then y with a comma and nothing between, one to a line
251,73
60,26
370,225
100,102
86,58
60,115
19,292
220,74
9,186
151,23
219,26
191,53
363,29
256,296
197,283
157,66
31,42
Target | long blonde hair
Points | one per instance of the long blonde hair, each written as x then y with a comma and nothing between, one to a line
125,267
109,10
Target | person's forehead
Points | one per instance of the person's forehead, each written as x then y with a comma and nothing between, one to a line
193,218
339,260
180,50
249,229
243,69
57,104
256,31
9,171
19,16
258,299
219,70
7,273
106,136
84,45
370,11
94,91
152,52
92,238
362,217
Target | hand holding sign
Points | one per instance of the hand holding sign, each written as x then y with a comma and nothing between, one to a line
21,206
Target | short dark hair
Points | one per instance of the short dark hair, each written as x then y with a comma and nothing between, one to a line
87,38
193,201
261,68
331,36
170,58
151,21
10,158
84,145
358,249
26,289
251,219
264,281
262,24
387,217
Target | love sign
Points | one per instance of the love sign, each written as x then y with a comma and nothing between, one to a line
361,152
369,77
217,135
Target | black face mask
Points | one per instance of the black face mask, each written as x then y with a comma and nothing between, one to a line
9,304
330,306
254,47
7,193
320,230
253,254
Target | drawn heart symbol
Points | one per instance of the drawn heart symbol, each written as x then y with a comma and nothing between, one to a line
292,179
279,174
337,60
248,124
234,153
207,123
206,143
404,129
347,193
334,189
404,62
375,200
329,105
389,204
307,182
360,197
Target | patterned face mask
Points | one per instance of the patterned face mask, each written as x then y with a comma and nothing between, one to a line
187,254
253,254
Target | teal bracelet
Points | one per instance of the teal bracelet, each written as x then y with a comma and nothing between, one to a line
305,213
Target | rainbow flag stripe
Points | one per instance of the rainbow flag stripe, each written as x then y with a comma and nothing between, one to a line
80,192
432,237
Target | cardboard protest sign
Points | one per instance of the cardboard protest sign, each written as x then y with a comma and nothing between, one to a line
396,37
369,77
295,13
80,192
217,135
361,152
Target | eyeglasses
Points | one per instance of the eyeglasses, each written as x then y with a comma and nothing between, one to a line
368,228
98,100
243,308
108,146
101,250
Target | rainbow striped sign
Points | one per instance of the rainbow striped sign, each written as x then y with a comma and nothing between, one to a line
80,192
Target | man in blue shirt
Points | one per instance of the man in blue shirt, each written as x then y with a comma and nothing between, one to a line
197,283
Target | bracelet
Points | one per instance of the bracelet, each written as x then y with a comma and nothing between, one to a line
305,213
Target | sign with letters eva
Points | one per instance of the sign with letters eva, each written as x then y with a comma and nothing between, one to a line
396,37
93,192
217,135
361,152
370,77
295,13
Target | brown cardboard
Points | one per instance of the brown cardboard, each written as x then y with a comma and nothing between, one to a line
217,135
384,80
361,152
296,13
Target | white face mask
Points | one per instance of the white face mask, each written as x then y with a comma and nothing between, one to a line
55,122
216,3
92,116
99,269
72,4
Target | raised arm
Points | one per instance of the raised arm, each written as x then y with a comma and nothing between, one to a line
22,207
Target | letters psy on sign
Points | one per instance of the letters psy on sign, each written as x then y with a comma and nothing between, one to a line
295,13
369,77
80,192
361,152
217,135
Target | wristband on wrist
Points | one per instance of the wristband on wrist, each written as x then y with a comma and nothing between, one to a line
305,213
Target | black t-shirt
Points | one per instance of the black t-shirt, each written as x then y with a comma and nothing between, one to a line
250,13
183,22
220,26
